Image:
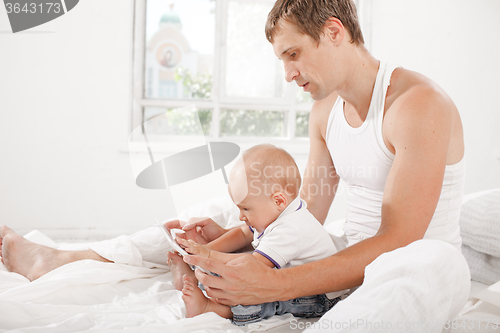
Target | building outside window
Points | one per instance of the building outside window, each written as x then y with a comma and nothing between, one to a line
213,54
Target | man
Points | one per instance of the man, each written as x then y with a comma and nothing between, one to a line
397,139
418,170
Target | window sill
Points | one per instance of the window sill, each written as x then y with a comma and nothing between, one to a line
297,147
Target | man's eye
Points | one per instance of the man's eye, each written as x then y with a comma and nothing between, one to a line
293,55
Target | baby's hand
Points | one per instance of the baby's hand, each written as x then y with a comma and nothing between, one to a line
193,247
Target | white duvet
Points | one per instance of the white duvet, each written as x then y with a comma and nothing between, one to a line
89,295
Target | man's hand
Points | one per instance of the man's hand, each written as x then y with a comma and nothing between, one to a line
202,230
194,248
240,280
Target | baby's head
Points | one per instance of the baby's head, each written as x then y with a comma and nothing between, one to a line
263,183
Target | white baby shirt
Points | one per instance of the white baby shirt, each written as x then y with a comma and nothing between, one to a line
295,238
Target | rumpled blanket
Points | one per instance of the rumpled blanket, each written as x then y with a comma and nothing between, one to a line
480,231
89,295
137,294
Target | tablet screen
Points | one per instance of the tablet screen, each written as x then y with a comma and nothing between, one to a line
171,240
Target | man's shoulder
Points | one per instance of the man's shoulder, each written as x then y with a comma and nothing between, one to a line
412,97
408,87
413,101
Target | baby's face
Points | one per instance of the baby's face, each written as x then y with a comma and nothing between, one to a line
257,208
258,211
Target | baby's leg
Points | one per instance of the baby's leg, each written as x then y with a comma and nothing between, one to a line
179,268
197,303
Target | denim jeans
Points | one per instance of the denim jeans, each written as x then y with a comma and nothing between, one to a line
305,307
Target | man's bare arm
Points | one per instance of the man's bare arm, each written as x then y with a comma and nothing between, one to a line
419,127
240,280
320,178
421,137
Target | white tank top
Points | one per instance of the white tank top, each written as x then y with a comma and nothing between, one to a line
363,161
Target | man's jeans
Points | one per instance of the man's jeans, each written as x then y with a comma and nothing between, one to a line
305,307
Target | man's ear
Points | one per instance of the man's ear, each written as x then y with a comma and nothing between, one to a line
279,200
334,30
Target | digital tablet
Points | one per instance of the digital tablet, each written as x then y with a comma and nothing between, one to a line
168,234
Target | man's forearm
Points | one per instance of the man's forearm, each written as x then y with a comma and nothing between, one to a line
241,278
341,271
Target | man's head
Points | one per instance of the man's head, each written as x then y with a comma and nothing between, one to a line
262,184
309,16
317,41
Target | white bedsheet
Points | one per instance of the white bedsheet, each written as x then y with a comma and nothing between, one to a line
89,295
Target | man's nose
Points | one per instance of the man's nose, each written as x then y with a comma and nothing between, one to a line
290,72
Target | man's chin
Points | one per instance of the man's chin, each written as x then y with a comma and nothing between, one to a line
318,96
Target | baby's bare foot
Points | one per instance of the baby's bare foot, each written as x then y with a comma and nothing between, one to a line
196,302
179,268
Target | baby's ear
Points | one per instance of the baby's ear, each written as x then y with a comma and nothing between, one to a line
279,200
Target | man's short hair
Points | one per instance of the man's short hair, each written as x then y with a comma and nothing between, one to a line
310,16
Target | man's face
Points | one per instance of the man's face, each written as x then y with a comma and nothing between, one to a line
309,64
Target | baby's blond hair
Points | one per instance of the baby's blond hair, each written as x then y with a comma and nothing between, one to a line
271,169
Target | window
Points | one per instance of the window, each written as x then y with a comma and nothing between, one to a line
213,54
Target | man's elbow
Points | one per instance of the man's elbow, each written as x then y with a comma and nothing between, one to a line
395,239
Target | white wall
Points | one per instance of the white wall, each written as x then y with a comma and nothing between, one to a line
65,93
456,43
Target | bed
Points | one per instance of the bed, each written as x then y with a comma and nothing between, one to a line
90,295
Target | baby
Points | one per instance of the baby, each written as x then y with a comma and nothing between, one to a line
264,185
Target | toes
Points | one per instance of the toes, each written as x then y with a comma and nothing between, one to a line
187,290
188,283
4,230
173,258
187,279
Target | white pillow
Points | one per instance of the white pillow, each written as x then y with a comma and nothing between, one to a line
480,231
483,267
480,223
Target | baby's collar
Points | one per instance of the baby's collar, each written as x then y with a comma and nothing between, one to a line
295,205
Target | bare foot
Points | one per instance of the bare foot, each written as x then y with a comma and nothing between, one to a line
196,302
179,268
31,260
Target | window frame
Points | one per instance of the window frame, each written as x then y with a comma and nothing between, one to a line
287,105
